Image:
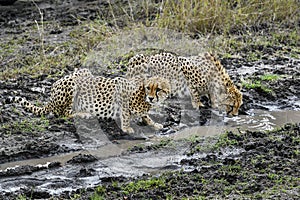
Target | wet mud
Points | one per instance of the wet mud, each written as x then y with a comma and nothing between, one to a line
49,157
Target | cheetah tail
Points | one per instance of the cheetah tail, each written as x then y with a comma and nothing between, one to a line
30,107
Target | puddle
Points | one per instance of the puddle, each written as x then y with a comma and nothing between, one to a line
264,120
111,163
257,120
113,160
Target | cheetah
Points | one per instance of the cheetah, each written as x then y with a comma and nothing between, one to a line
106,97
61,96
82,94
202,75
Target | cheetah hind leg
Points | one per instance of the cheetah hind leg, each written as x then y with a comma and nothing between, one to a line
150,122
68,112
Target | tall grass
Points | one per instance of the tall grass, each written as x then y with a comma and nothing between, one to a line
210,16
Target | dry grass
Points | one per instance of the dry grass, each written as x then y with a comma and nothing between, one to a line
210,16
47,57
34,53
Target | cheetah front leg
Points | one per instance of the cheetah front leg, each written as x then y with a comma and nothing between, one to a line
146,119
122,100
125,121
213,100
195,97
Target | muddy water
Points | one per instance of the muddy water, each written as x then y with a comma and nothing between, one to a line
114,160
111,163
256,120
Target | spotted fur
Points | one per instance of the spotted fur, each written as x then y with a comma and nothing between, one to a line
82,94
202,75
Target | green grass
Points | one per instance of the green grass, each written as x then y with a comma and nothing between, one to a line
34,125
99,193
21,197
256,85
136,186
225,141
259,83
269,77
241,177
237,26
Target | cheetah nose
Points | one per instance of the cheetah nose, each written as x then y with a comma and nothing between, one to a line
150,99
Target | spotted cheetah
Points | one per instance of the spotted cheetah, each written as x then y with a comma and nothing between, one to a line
202,75
81,93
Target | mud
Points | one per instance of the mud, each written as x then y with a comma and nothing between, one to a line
43,158
243,169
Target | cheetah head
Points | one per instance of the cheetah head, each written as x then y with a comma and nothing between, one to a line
233,101
157,89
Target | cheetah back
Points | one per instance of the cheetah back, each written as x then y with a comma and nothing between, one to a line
163,65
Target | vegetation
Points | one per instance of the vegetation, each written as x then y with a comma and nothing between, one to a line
136,186
226,16
52,58
155,146
256,85
221,21
260,82
21,197
99,193
32,125
269,77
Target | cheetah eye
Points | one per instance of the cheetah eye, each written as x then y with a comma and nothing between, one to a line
158,89
148,88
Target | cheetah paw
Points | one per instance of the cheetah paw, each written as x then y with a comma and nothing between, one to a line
128,130
158,126
197,104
